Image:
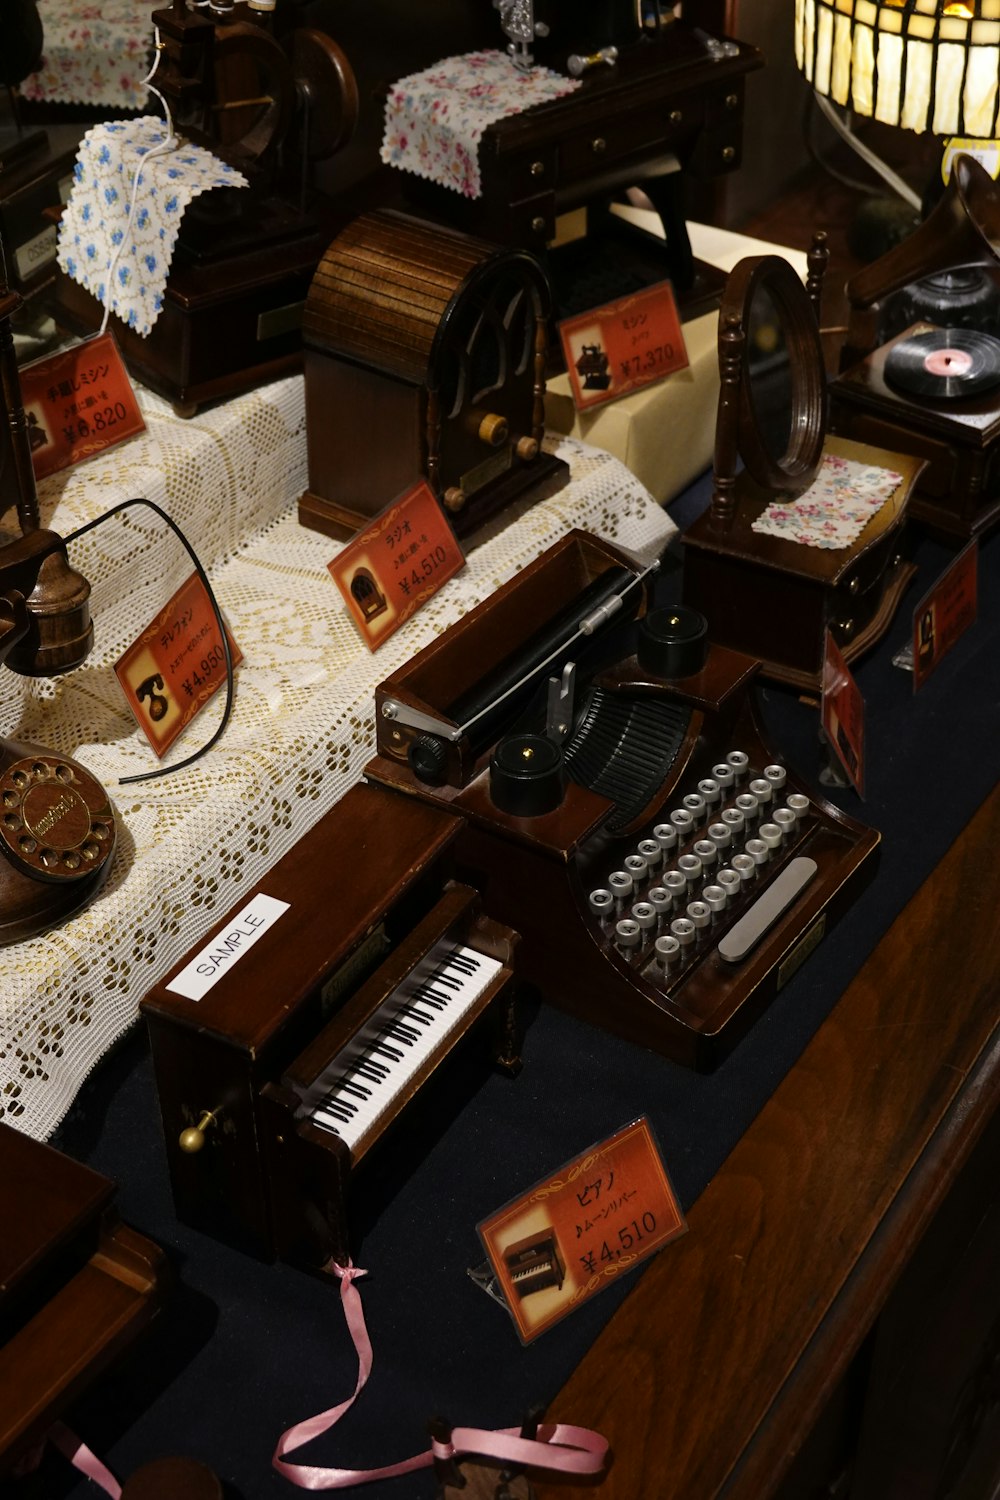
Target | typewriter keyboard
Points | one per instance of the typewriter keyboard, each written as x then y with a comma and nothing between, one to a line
717,872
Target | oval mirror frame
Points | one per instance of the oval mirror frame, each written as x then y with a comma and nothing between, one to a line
797,467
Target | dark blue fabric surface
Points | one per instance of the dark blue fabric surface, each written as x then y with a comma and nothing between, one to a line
246,1349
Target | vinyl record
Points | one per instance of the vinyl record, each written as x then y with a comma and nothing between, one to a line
945,364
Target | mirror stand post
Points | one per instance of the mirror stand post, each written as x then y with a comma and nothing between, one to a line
731,345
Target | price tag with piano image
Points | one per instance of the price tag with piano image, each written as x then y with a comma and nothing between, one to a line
574,1233
623,346
394,565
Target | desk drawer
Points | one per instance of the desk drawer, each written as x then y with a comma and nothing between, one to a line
614,138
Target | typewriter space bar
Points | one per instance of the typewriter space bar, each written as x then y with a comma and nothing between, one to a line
766,910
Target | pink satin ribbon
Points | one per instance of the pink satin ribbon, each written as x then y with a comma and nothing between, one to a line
83,1459
559,1448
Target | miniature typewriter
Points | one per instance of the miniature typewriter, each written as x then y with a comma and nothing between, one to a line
666,873
289,1044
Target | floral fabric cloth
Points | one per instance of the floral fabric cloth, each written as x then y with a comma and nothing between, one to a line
835,510
95,234
94,54
435,120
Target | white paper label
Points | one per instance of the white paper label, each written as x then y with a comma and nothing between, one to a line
37,252
227,947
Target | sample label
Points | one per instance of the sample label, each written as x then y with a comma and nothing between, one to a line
227,947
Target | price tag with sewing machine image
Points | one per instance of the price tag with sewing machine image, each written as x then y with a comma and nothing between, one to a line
623,346
78,402
396,563
554,1247
175,666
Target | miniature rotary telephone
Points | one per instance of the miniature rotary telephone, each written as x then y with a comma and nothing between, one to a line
57,827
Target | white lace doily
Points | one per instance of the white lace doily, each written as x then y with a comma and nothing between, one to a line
302,726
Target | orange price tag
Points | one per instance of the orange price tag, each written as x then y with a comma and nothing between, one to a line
175,666
573,1233
78,403
623,346
945,612
843,713
392,567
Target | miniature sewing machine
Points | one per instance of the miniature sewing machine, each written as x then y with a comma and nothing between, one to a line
244,256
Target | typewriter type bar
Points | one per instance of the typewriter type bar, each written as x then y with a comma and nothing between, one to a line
248,1075
685,873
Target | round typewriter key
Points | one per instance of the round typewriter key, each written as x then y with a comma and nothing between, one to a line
602,903
758,851
740,763
665,835
628,934
710,790
682,821
660,900
798,804
748,805
695,804
785,819
636,867
650,851
745,868
720,835
729,881
644,912
734,820
724,774
706,851
714,897
770,834
683,930
761,789
700,913
620,884
777,776
675,884
690,867
667,951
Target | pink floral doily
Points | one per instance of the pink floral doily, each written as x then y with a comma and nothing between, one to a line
834,510
95,54
434,120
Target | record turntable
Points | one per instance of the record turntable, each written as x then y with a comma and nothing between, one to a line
945,411
747,568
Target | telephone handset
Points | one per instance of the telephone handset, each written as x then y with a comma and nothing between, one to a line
57,826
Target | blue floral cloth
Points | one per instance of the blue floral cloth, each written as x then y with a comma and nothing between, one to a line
96,224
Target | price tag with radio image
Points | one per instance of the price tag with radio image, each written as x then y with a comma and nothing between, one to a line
574,1233
175,666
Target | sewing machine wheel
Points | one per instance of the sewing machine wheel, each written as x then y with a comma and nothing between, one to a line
328,94
254,89
57,833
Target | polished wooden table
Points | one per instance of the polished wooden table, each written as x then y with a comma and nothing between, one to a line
830,1325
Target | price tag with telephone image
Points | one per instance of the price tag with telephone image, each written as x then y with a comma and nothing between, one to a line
175,666
572,1234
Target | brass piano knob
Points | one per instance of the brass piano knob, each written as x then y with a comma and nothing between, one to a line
493,429
454,498
192,1139
527,448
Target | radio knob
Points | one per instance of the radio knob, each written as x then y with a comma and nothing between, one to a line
493,429
454,498
527,449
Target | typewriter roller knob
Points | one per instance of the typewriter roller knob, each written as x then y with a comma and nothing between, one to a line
428,758
527,777
673,642
192,1139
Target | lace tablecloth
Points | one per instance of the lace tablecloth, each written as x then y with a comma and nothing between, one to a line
302,726
95,54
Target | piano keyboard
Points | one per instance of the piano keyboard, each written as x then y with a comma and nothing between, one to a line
353,1093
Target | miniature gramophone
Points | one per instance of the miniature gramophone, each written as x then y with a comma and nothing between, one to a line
954,427
769,595
425,356
57,828
244,257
